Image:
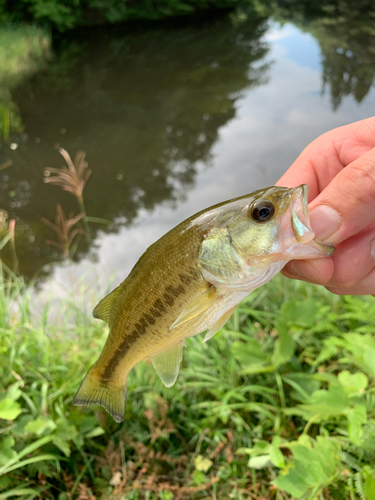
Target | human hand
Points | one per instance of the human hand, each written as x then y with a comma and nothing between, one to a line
339,168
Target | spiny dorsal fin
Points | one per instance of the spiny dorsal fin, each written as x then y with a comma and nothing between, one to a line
197,306
101,311
167,363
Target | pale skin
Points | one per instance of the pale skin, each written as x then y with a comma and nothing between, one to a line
339,168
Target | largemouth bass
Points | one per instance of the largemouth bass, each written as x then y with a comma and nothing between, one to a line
190,281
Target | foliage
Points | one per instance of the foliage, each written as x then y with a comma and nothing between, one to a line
23,50
345,32
67,14
147,107
280,404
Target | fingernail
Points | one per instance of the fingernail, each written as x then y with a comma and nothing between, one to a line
325,221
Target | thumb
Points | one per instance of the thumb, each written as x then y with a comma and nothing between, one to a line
347,204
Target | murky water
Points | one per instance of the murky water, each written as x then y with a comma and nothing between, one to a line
172,120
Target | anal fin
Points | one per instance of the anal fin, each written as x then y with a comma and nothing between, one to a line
167,363
218,325
197,306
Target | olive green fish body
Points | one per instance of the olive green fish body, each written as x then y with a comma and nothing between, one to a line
161,284
190,281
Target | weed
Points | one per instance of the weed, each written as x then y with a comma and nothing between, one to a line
279,405
63,229
72,179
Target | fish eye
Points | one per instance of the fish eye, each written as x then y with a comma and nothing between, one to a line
262,210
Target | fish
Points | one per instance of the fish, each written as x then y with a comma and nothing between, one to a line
190,281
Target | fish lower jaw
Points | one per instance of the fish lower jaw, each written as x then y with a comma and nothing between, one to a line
311,250
248,282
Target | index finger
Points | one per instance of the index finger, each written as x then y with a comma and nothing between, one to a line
325,157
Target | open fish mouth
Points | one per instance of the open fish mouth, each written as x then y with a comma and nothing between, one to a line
301,226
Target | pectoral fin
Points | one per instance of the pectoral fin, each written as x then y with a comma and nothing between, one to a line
197,306
218,325
167,363
101,311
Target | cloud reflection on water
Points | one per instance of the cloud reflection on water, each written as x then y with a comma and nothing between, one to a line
273,123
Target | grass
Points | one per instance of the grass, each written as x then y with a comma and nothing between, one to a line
23,50
279,405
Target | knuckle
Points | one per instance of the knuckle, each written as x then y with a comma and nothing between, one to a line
344,278
364,179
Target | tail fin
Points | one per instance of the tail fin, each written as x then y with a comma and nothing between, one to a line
112,398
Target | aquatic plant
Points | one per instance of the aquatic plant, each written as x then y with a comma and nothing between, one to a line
72,179
63,229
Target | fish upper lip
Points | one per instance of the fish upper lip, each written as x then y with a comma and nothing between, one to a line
300,205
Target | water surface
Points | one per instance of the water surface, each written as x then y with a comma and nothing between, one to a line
172,119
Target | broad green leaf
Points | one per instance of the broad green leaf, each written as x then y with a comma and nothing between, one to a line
260,448
64,430
20,424
13,391
6,450
353,383
302,313
62,444
323,404
292,480
315,470
243,451
311,468
284,348
260,462
9,409
356,417
276,456
41,426
249,352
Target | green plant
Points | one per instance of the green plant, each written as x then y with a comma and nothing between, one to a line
279,405
23,50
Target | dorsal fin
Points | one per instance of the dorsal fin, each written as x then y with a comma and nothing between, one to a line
101,311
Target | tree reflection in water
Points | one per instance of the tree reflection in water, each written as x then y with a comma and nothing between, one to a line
146,107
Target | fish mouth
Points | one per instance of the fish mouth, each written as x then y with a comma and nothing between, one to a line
301,225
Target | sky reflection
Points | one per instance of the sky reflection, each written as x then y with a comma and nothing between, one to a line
272,124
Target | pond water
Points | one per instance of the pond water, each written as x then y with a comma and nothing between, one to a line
172,120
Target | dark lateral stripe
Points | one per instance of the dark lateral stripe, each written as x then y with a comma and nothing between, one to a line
148,319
